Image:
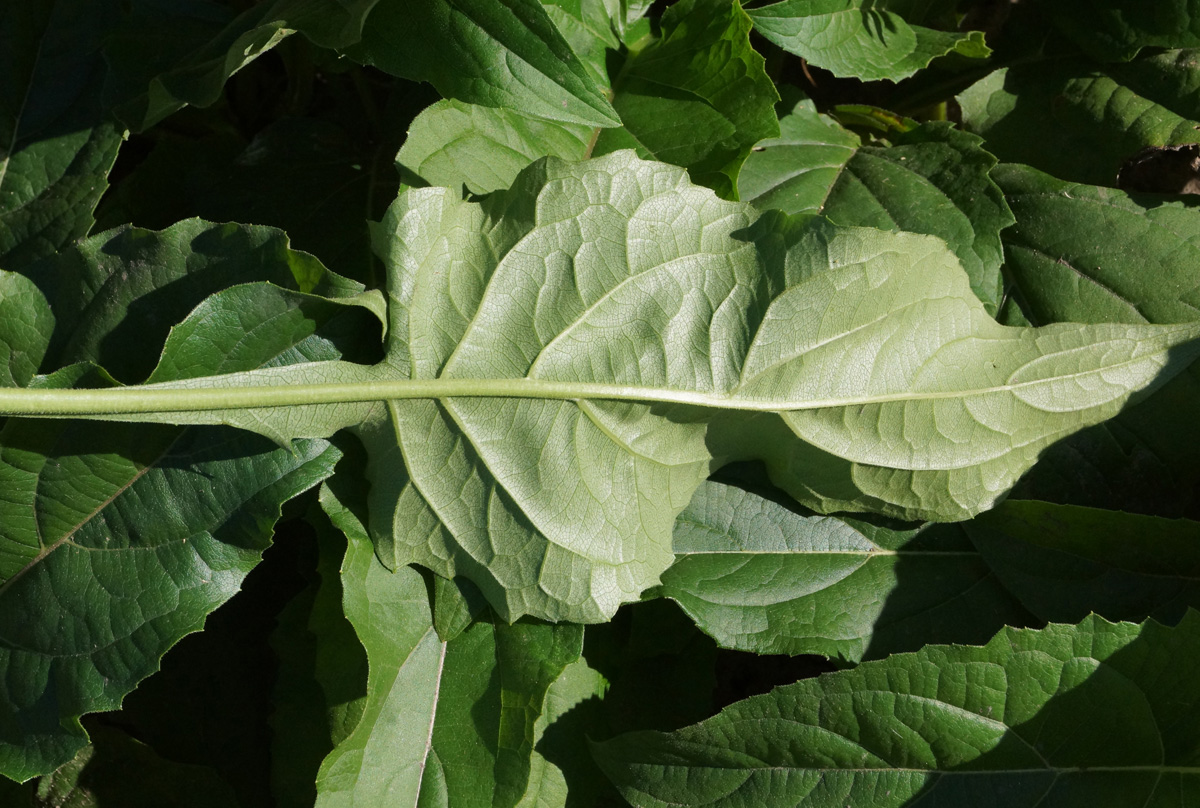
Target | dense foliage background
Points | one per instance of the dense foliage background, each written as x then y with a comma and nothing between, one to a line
927,655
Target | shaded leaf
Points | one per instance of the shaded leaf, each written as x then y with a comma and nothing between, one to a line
1081,121
860,39
933,179
758,577
1064,562
321,685
56,145
1147,459
115,769
444,723
1052,717
697,97
501,54
160,524
1111,30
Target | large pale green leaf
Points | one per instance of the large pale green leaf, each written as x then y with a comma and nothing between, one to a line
1117,29
697,96
758,577
1148,459
1081,121
1098,713
153,527
932,179
505,53
56,147
444,723
1064,562
546,417
861,38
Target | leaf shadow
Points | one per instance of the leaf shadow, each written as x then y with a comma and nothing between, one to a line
1103,738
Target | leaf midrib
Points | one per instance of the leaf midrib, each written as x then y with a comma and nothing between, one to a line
172,397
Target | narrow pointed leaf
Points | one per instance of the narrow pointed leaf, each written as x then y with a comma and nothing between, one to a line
1064,716
860,39
758,577
932,179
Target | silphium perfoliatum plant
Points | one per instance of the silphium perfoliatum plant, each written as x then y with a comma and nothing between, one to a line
507,394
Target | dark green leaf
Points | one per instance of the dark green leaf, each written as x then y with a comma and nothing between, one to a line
321,686
115,769
56,147
697,97
505,53
1117,29
1148,459
444,723
933,179
1081,121
1064,562
861,38
155,527
118,293
1098,713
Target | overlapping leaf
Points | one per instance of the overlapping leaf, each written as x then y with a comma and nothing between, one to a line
932,179
1064,562
696,96
1052,717
56,145
1147,460
502,54
758,577
1111,30
444,723
860,38
547,417
153,527
1081,121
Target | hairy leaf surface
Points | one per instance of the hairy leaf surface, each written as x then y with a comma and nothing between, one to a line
1052,717
548,415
